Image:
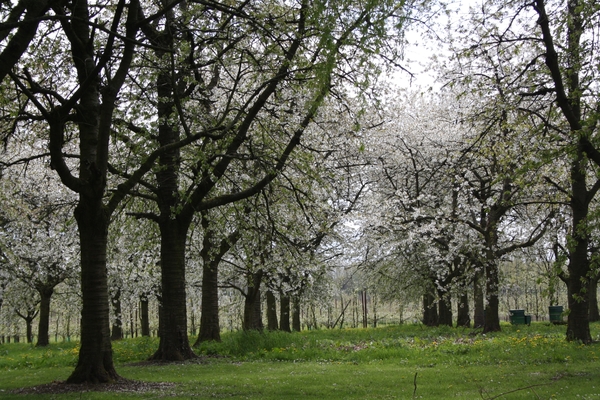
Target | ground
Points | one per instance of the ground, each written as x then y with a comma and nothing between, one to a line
122,386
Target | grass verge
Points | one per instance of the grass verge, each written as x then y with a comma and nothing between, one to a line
402,362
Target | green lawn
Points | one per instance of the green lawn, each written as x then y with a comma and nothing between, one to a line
401,362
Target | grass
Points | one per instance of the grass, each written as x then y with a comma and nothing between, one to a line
401,362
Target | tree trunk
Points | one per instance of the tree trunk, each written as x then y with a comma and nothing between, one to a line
492,317
95,363
430,315
44,322
117,327
463,318
365,308
29,328
174,342
284,319
578,326
144,315
252,309
478,299
272,323
445,308
296,324
210,328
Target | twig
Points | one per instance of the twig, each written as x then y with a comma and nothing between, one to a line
512,391
415,383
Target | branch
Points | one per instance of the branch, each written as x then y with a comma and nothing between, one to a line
552,62
197,197
18,44
556,186
124,188
532,239
149,216
512,391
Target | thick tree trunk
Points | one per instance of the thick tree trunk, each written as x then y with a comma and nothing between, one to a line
117,327
144,315
479,301
445,308
29,329
210,328
284,319
463,318
578,326
252,309
174,342
296,323
44,322
430,315
492,317
272,323
95,363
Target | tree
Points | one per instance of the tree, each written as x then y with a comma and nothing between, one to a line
214,248
38,236
24,302
133,273
452,198
71,95
570,75
243,94
546,53
414,240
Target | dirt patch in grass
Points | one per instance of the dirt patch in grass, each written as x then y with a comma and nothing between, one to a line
121,386
196,360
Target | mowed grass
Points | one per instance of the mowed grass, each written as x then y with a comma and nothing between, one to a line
399,362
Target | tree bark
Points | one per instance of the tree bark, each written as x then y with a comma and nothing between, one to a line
463,317
252,308
117,327
478,298
445,308
44,322
174,343
284,319
578,326
492,317
272,323
296,323
430,315
210,329
95,363
144,315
